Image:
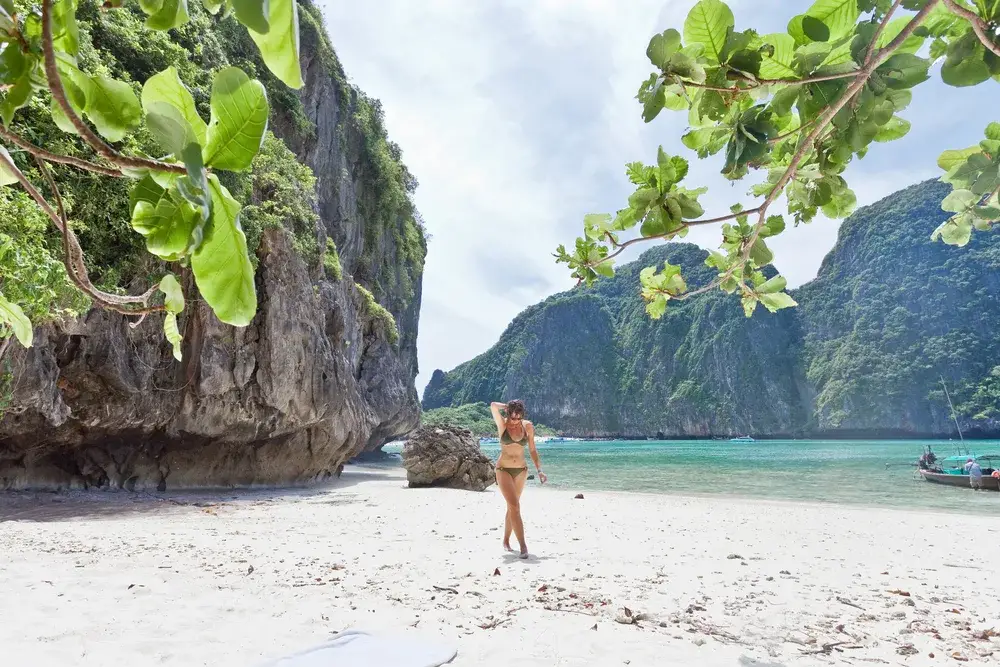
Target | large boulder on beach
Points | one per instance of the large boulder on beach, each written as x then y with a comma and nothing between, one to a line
446,456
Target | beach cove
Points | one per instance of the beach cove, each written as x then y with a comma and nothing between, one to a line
235,579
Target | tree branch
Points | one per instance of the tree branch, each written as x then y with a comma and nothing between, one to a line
88,135
74,253
756,83
37,151
978,25
878,32
860,80
620,247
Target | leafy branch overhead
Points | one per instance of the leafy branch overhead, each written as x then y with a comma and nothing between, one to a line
177,203
796,107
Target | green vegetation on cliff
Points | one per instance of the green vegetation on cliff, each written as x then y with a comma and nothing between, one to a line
474,416
275,190
889,312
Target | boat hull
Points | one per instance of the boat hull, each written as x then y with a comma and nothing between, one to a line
989,483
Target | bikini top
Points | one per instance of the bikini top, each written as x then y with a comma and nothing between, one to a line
505,438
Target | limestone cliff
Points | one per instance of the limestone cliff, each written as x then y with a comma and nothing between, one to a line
316,378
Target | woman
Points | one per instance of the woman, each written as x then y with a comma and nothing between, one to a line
512,469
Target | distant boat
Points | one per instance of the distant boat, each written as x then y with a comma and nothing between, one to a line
742,438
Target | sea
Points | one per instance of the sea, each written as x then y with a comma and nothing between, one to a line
876,473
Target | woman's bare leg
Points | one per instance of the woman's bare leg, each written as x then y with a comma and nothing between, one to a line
511,494
519,483
507,528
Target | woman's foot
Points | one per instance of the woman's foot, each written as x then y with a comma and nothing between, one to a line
524,553
506,546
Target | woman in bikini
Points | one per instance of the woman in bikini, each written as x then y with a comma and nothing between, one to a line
512,468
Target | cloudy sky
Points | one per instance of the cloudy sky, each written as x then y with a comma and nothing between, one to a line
518,116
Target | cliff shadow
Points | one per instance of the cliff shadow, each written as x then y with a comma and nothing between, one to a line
49,506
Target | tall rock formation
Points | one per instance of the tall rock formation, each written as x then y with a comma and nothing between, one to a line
319,375
890,313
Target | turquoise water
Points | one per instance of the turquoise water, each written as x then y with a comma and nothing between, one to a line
845,472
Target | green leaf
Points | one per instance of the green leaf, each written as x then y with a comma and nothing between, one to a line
147,190
775,284
708,23
968,172
279,47
166,87
760,254
173,334
950,159
253,14
165,14
778,65
657,307
955,231
167,226
213,6
706,141
805,29
16,97
959,201
112,107
13,63
666,174
774,225
239,120
993,131
172,292
662,47
221,265
904,70
172,132
839,16
966,62
65,32
7,177
896,128
777,301
605,268
12,315
595,225
842,203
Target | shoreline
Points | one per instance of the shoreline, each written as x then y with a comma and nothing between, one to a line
363,467
233,579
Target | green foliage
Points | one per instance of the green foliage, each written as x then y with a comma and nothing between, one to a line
798,106
283,195
473,416
379,315
32,276
182,209
984,401
331,261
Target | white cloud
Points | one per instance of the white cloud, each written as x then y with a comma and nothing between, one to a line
517,119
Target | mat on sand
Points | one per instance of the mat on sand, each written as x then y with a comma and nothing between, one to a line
354,648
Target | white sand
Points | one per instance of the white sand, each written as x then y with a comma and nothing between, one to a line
118,579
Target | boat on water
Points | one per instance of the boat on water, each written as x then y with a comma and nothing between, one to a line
951,470
742,438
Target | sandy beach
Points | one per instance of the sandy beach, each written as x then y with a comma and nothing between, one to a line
236,579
